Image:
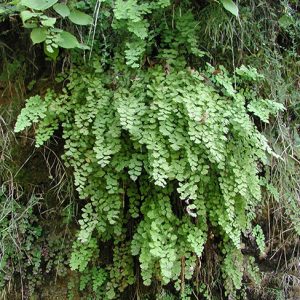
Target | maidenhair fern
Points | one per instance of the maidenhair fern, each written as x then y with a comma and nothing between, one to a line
161,156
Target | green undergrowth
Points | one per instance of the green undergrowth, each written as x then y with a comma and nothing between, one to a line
35,229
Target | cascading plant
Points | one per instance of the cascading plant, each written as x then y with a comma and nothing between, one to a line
164,158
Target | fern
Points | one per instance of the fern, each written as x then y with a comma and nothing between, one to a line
177,136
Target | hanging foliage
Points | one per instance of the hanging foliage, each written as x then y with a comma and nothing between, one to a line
166,150
150,140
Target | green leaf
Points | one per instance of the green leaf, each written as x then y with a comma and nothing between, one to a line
80,18
49,22
67,40
49,49
83,47
28,18
38,35
38,4
230,6
286,21
52,55
26,15
62,9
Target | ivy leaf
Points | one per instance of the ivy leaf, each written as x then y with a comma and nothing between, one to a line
62,9
67,40
38,35
38,4
230,6
80,18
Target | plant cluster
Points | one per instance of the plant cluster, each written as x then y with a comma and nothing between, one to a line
166,149
176,151
41,17
26,254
